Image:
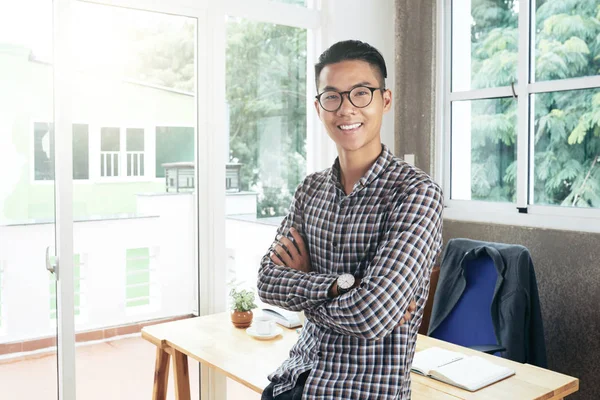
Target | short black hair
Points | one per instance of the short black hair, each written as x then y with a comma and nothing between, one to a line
352,50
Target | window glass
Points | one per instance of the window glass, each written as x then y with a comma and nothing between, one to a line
43,147
567,43
135,70
485,40
43,143
567,148
266,98
173,144
110,139
77,264
135,139
484,150
266,104
81,152
137,269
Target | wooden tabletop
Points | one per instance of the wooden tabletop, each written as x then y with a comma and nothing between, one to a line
215,342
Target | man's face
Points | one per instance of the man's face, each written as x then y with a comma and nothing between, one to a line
350,127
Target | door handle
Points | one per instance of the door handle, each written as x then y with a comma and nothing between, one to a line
50,266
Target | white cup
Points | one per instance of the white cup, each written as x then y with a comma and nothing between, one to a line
263,325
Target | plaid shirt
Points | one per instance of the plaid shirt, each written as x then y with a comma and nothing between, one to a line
387,231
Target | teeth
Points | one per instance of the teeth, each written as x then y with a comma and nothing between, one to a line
348,127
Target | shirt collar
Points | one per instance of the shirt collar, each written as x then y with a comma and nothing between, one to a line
380,164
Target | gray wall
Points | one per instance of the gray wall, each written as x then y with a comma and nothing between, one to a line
415,80
567,263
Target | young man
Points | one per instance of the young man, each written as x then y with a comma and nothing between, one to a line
356,248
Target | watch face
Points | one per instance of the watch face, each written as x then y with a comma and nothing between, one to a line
345,281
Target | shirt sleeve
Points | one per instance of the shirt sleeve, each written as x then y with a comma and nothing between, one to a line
408,247
286,287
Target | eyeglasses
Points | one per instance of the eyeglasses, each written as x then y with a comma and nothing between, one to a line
360,97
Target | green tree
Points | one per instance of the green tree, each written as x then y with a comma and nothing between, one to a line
265,93
494,49
266,96
567,124
163,53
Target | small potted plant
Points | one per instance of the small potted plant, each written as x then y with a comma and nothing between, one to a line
242,303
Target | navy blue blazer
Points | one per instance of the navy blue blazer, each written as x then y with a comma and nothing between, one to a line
515,310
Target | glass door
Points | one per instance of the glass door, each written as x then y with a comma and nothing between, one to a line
135,126
266,143
28,290
127,208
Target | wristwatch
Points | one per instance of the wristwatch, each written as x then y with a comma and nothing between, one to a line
344,283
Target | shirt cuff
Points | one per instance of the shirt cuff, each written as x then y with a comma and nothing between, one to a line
314,287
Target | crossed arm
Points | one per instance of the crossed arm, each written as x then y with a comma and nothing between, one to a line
384,296
297,257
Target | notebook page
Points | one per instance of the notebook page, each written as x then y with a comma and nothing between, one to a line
472,373
433,357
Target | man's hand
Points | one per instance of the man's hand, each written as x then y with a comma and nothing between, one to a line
409,312
296,256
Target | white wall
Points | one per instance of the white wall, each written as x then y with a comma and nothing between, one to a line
102,246
167,230
369,21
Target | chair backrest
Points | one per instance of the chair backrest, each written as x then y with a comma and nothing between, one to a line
470,321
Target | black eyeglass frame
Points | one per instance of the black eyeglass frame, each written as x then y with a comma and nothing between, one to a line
347,93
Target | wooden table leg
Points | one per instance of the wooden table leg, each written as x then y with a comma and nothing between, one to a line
161,375
182,376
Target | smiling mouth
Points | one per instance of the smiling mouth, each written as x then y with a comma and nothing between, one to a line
350,127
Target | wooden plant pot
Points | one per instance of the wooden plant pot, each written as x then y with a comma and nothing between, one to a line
241,319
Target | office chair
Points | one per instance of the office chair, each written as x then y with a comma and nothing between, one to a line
469,323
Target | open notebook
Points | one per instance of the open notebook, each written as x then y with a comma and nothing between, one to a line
470,373
289,319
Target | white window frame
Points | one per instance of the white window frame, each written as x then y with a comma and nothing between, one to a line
522,213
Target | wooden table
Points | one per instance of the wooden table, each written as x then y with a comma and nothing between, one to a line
215,342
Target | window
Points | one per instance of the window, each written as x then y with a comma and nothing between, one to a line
113,151
266,99
266,103
522,106
173,144
110,145
43,147
81,152
137,269
135,152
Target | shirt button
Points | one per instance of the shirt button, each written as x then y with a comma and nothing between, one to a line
319,354
335,245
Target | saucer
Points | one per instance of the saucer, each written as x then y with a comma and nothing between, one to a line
252,332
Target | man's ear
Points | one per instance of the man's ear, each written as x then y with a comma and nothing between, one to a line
318,108
387,100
